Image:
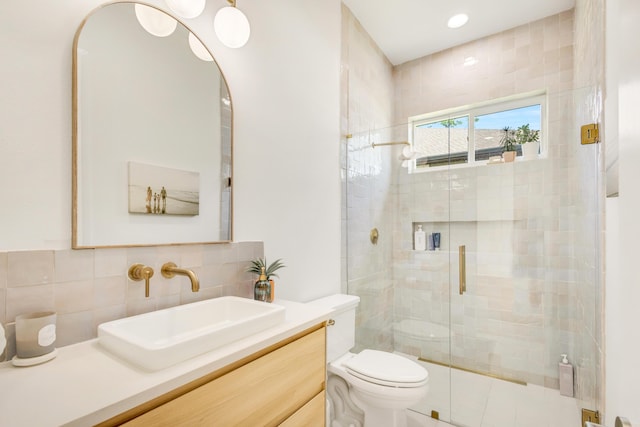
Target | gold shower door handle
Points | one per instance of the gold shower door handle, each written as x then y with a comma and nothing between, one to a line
462,265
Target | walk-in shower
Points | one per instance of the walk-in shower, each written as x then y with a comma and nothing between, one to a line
525,236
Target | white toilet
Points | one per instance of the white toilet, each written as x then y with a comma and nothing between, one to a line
372,388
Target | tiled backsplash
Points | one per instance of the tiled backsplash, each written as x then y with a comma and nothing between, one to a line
90,286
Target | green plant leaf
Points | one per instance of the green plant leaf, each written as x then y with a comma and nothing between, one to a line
524,134
508,140
269,269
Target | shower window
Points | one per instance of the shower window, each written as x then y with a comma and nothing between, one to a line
473,135
442,142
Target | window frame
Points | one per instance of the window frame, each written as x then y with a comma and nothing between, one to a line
479,109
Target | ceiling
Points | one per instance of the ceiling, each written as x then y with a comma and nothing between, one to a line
410,29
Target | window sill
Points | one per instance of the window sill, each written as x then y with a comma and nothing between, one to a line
445,168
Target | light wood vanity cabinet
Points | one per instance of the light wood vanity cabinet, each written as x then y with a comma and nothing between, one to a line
281,385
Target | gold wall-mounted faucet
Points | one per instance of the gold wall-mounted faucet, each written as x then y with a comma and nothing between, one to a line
139,272
170,269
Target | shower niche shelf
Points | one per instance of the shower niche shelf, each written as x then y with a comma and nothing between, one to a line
483,218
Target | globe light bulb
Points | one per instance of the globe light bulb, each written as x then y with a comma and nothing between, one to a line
154,21
198,48
232,27
186,8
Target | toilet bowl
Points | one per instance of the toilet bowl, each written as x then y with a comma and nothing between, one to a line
381,385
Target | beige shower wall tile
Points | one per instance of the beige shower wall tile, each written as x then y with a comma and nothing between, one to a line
109,291
107,314
191,256
3,305
145,255
512,61
160,286
222,254
3,269
243,289
167,301
234,273
74,327
210,275
110,262
73,265
169,254
248,251
140,306
28,299
72,297
186,297
30,268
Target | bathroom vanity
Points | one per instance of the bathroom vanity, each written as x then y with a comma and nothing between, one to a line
276,377
285,384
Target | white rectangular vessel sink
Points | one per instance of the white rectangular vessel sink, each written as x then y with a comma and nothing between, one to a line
163,338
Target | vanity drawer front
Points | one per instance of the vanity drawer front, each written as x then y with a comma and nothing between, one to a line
264,392
310,415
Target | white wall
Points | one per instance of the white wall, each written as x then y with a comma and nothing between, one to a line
285,88
623,227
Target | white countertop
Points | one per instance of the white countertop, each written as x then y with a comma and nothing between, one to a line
85,384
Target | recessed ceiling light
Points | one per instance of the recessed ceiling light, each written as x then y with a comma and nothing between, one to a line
457,21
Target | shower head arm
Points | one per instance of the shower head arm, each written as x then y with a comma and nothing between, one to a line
374,145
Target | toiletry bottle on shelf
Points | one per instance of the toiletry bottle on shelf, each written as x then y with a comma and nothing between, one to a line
436,241
419,239
565,375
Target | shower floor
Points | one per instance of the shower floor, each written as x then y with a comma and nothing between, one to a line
480,401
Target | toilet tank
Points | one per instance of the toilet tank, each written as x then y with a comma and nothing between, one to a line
341,335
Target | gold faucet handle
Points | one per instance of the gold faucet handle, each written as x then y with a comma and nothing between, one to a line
139,272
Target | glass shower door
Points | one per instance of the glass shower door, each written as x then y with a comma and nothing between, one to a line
525,289
497,320
432,197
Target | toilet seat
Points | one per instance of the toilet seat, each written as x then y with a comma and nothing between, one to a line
386,369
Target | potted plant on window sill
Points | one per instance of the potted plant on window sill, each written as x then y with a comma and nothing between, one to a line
529,139
265,271
508,143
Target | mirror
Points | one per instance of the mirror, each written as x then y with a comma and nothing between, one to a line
152,123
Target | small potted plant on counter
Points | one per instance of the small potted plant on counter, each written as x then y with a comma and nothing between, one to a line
509,144
263,288
529,139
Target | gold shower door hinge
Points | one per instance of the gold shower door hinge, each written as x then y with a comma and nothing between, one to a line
589,134
590,416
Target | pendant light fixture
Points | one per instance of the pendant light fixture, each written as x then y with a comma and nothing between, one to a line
186,8
198,48
154,21
232,26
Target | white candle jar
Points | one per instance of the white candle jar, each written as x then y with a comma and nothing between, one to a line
35,334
